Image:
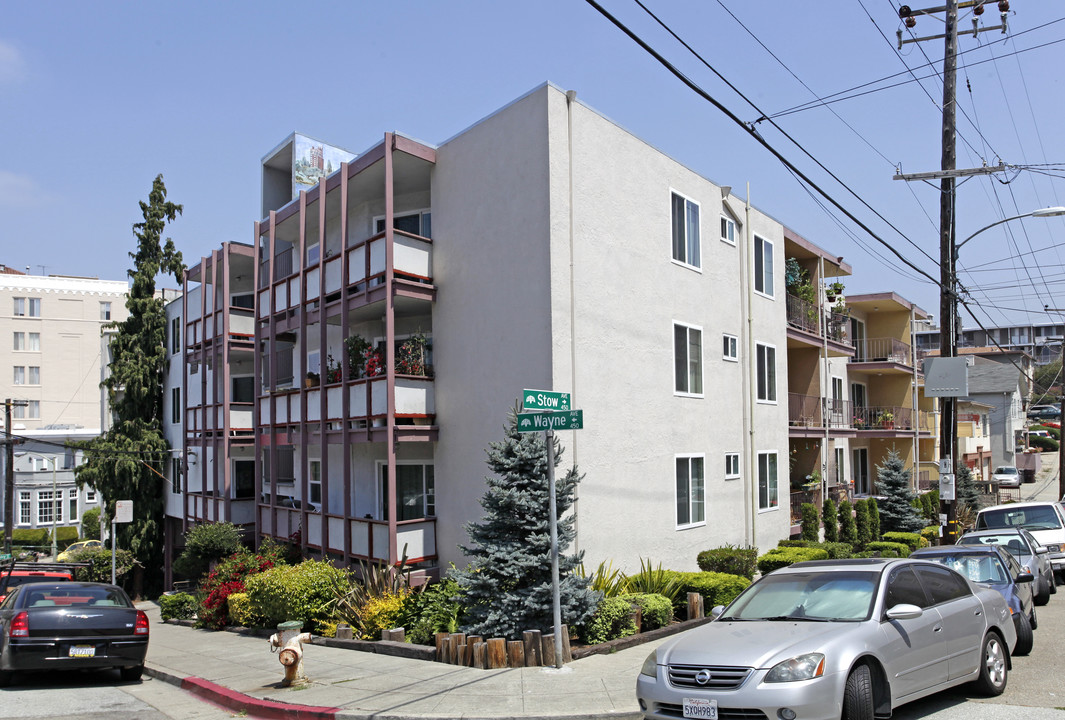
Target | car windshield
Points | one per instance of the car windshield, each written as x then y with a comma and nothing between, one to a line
1006,471
811,596
1031,518
1014,543
978,568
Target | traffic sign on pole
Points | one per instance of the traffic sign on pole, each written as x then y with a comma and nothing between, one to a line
545,400
536,422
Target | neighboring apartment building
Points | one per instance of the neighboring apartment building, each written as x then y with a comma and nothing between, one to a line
404,303
1042,341
56,351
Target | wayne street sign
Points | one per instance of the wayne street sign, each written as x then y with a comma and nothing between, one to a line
545,400
534,422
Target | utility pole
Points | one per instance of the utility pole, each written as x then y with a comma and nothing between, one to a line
9,473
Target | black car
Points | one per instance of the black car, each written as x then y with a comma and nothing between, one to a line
993,566
71,625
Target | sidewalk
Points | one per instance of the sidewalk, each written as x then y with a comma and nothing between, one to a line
240,673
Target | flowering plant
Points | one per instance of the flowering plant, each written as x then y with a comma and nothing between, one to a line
373,363
410,356
332,370
859,421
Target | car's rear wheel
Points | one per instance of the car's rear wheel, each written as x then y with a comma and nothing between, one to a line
993,666
132,673
1025,636
858,695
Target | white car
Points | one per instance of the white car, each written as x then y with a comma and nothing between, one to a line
1045,520
1006,476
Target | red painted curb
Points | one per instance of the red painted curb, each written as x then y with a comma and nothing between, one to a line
269,709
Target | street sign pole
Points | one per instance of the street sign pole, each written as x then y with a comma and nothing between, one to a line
123,514
556,594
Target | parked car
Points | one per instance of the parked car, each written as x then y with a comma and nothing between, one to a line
1045,520
71,625
75,547
1006,476
13,574
833,638
1044,412
1032,556
993,566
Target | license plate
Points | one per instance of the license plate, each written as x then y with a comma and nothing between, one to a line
698,708
90,651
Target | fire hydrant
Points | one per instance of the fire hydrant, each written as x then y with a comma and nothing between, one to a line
290,640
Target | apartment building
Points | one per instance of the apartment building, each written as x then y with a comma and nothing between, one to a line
1042,341
403,303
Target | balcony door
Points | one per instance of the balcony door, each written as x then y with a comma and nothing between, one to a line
860,471
858,339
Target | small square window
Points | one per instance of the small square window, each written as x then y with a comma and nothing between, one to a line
730,347
732,466
728,230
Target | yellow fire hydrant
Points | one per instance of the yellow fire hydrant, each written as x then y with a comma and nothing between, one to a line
290,641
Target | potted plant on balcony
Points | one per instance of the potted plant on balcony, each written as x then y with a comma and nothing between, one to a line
332,370
834,290
886,420
312,380
373,363
410,356
355,348
858,422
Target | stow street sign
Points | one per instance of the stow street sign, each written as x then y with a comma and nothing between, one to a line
545,400
535,422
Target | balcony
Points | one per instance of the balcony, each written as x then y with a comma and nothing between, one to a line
811,411
809,326
887,350
369,536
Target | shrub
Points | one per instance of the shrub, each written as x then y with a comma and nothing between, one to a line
382,612
1052,431
229,577
99,569
837,550
731,560
303,592
911,540
179,605
847,532
657,609
654,580
889,549
1043,443
64,536
862,531
606,579
715,587
810,522
434,609
782,557
788,542
90,524
29,537
930,534
612,619
830,519
239,608
205,544
874,518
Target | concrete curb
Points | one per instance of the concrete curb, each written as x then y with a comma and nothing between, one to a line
239,702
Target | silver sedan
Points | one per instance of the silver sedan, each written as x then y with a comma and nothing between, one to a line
833,639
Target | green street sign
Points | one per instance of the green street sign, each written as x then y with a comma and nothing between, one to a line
535,422
545,400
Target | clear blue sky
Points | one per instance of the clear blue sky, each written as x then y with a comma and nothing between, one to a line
97,98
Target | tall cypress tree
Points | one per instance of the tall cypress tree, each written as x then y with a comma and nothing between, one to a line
128,461
506,588
897,513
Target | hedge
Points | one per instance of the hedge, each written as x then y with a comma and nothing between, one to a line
784,556
889,549
657,609
612,620
178,605
730,560
29,537
65,536
912,540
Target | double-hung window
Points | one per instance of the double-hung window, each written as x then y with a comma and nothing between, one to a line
688,359
45,507
20,341
20,375
24,507
105,311
763,266
35,342
34,375
767,373
691,506
19,309
685,215
314,483
35,307
767,480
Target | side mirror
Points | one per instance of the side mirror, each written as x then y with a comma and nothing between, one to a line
716,612
1040,549
904,611
1025,577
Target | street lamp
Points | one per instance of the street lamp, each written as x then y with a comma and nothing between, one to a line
55,502
948,341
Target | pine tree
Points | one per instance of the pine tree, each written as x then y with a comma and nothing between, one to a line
127,462
506,588
967,492
897,514
830,520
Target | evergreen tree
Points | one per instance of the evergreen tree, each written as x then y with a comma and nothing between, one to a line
874,518
506,588
809,522
128,461
830,519
967,492
861,524
897,514
847,532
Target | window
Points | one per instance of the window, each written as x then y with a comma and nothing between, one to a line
33,409
45,507
767,480
942,583
763,266
105,311
35,307
20,375
767,373
314,483
730,347
243,389
691,508
841,470
732,466
685,231
20,341
20,307
175,478
72,496
24,507
415,491
728,230
417,223
90,495
175,405
688,359
35,375
904,589
35,342
175,335
19,411
244,480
